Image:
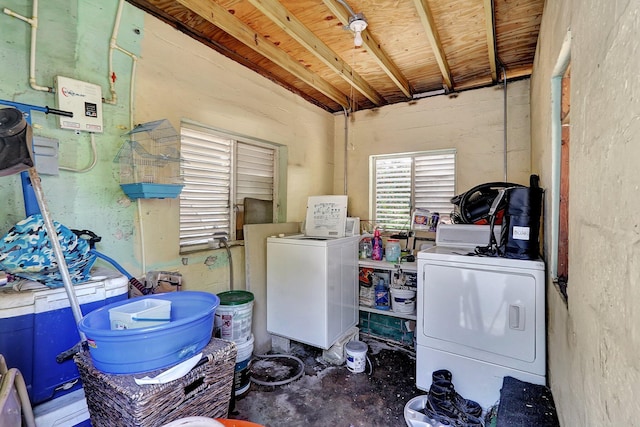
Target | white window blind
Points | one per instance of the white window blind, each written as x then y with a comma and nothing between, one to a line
204,200
255,172
218,170
434,182
404,182
393,193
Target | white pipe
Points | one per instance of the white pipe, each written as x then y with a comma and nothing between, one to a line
93,162
113,45
142,248
504,73
131,89
32,54
346,143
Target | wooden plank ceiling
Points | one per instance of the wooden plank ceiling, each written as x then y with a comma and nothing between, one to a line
410,48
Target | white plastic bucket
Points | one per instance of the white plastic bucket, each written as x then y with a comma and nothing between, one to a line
242,374
403,300
356,356
233,316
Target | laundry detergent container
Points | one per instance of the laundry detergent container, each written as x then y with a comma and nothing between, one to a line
130,351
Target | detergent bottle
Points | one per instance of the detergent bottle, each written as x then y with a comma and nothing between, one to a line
376,246
382,295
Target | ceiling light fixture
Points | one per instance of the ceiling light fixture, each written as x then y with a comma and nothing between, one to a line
357,24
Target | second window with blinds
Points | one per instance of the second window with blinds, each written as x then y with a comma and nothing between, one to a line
224,174
406,181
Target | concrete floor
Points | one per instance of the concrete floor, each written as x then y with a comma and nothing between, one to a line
329,395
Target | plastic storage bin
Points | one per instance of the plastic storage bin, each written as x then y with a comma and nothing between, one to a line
138,350
143,313
37,325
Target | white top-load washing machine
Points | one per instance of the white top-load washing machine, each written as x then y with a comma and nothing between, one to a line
312,289
480,317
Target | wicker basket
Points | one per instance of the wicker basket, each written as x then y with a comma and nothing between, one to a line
116,400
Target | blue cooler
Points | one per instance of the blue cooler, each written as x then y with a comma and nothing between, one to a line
36,325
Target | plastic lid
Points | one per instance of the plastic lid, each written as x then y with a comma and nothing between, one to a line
235,297
357,346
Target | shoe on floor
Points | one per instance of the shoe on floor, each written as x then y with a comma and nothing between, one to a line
466,405
441,407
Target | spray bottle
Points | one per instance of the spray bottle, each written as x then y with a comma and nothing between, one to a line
376,243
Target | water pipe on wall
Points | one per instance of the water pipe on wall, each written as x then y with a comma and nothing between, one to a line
94,155
504,82
113,45
346,144
223,242
32,53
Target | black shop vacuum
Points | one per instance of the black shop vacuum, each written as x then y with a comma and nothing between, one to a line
516,207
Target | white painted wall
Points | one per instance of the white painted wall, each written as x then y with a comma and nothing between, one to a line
471,122
594,340
179,78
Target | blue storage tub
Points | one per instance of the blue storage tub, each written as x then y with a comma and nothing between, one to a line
131,351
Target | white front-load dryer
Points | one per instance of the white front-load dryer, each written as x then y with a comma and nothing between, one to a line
482,318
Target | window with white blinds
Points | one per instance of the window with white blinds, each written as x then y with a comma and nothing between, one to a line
403,182
393,192
219,172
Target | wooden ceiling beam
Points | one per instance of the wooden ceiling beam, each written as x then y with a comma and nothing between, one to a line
373,47
432,34
221,18
274,10
512,73
491,37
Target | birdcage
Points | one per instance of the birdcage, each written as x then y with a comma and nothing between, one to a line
149,162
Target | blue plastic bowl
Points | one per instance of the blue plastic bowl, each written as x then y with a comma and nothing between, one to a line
130,351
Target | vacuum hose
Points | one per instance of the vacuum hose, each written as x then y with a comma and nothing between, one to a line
132,280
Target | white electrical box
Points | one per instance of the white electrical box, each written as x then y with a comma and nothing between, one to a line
82,99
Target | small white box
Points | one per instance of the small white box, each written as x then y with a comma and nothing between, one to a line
140,314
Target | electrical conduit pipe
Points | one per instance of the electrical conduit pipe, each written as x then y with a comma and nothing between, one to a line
32,54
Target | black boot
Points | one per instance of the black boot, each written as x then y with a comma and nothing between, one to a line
441,407
467,406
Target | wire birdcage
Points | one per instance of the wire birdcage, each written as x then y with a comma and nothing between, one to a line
149,161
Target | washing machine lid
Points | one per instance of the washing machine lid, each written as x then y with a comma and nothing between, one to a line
326,216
